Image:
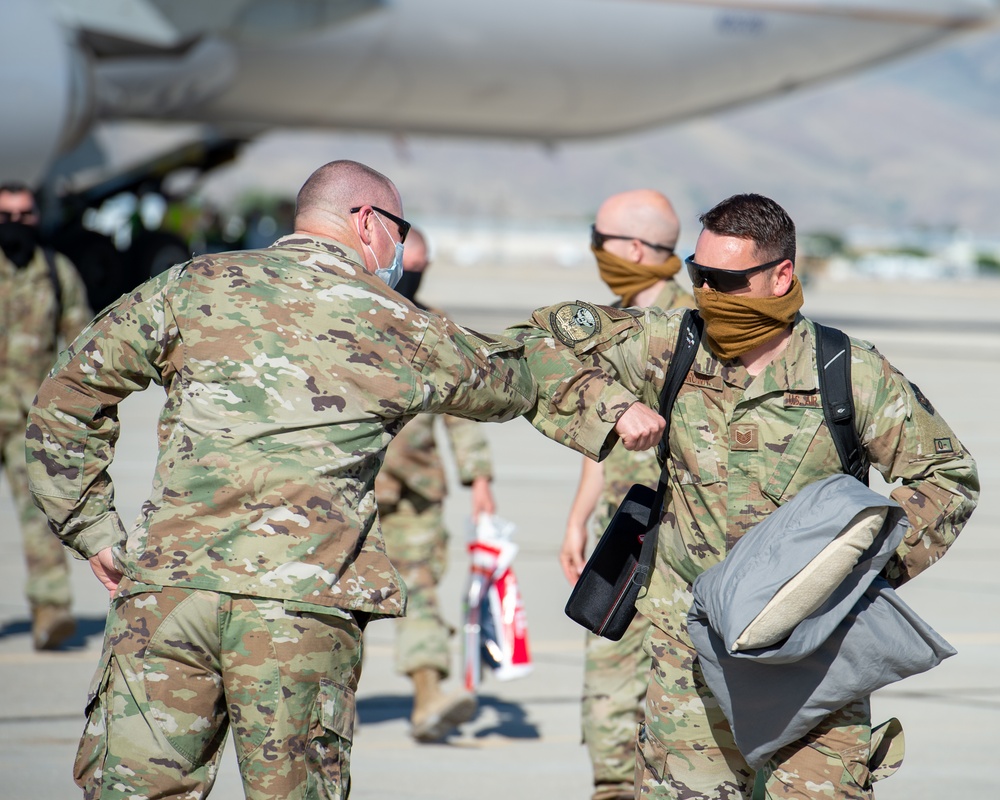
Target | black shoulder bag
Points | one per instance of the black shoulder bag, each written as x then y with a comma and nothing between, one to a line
603,600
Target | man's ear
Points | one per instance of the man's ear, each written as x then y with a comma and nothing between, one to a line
781,281
364,226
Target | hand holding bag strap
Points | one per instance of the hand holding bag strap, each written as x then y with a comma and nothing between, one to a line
688,340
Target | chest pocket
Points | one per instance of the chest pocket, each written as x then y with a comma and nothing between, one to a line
808,455
696,425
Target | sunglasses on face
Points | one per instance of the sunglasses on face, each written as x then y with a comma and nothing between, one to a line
402,224
597,240
18,216
724,280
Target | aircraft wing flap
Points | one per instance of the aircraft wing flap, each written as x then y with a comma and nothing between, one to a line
135,21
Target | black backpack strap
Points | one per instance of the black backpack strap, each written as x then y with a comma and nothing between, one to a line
833,363
57,288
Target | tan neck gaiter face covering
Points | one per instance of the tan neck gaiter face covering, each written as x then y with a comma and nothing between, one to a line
626,279
735,324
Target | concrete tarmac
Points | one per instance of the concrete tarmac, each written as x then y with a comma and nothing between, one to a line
525,741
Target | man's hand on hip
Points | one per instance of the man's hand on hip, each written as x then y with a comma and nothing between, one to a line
104,568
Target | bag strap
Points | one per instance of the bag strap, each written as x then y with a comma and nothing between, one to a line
57,288
833,363
688,339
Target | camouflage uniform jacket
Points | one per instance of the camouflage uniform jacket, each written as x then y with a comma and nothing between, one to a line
740,446
413,460
287,371
29,331
622,468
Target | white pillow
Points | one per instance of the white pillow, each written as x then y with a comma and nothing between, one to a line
810,588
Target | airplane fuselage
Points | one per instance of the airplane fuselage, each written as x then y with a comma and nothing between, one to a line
539,69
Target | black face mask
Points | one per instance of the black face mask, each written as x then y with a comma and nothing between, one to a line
18,242
408,285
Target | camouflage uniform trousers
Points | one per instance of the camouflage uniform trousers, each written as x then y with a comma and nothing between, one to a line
685,748
416,541
180,666
48,568
614,688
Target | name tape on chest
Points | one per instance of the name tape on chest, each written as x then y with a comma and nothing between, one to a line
802,400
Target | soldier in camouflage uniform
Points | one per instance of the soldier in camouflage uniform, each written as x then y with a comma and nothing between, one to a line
639,268
747,434
240,595
410,490
42,301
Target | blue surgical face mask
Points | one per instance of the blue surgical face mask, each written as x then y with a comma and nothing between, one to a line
394,271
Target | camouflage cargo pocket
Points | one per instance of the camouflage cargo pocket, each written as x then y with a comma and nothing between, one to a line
650,759
802,461
856,764
93,749
328,756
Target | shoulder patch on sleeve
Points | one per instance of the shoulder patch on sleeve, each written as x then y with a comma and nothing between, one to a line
573,323
922,399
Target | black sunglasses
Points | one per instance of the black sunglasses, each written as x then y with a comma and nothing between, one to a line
597,240
18,216
402,224
724,280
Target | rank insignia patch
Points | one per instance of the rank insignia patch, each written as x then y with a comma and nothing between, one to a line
573,323
924,402
743,437
943,446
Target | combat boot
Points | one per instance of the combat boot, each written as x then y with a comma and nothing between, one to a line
51,625
436,714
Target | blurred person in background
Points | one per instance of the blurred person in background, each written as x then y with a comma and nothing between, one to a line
43,305
410,490
633,239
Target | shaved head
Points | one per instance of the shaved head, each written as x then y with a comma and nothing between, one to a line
324,203
644,214
335,188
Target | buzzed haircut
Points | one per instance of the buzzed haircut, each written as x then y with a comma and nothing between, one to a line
340,185
757,218
16,187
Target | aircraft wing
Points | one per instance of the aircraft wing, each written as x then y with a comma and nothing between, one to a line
538,69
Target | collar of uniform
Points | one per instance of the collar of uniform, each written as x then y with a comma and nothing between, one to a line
668,294
320,244
37,263
794,369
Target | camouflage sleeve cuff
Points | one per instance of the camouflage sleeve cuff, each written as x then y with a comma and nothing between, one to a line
595,436
467,477
931,512
107,531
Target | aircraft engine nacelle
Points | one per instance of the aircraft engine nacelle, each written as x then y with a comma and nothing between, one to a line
45,95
